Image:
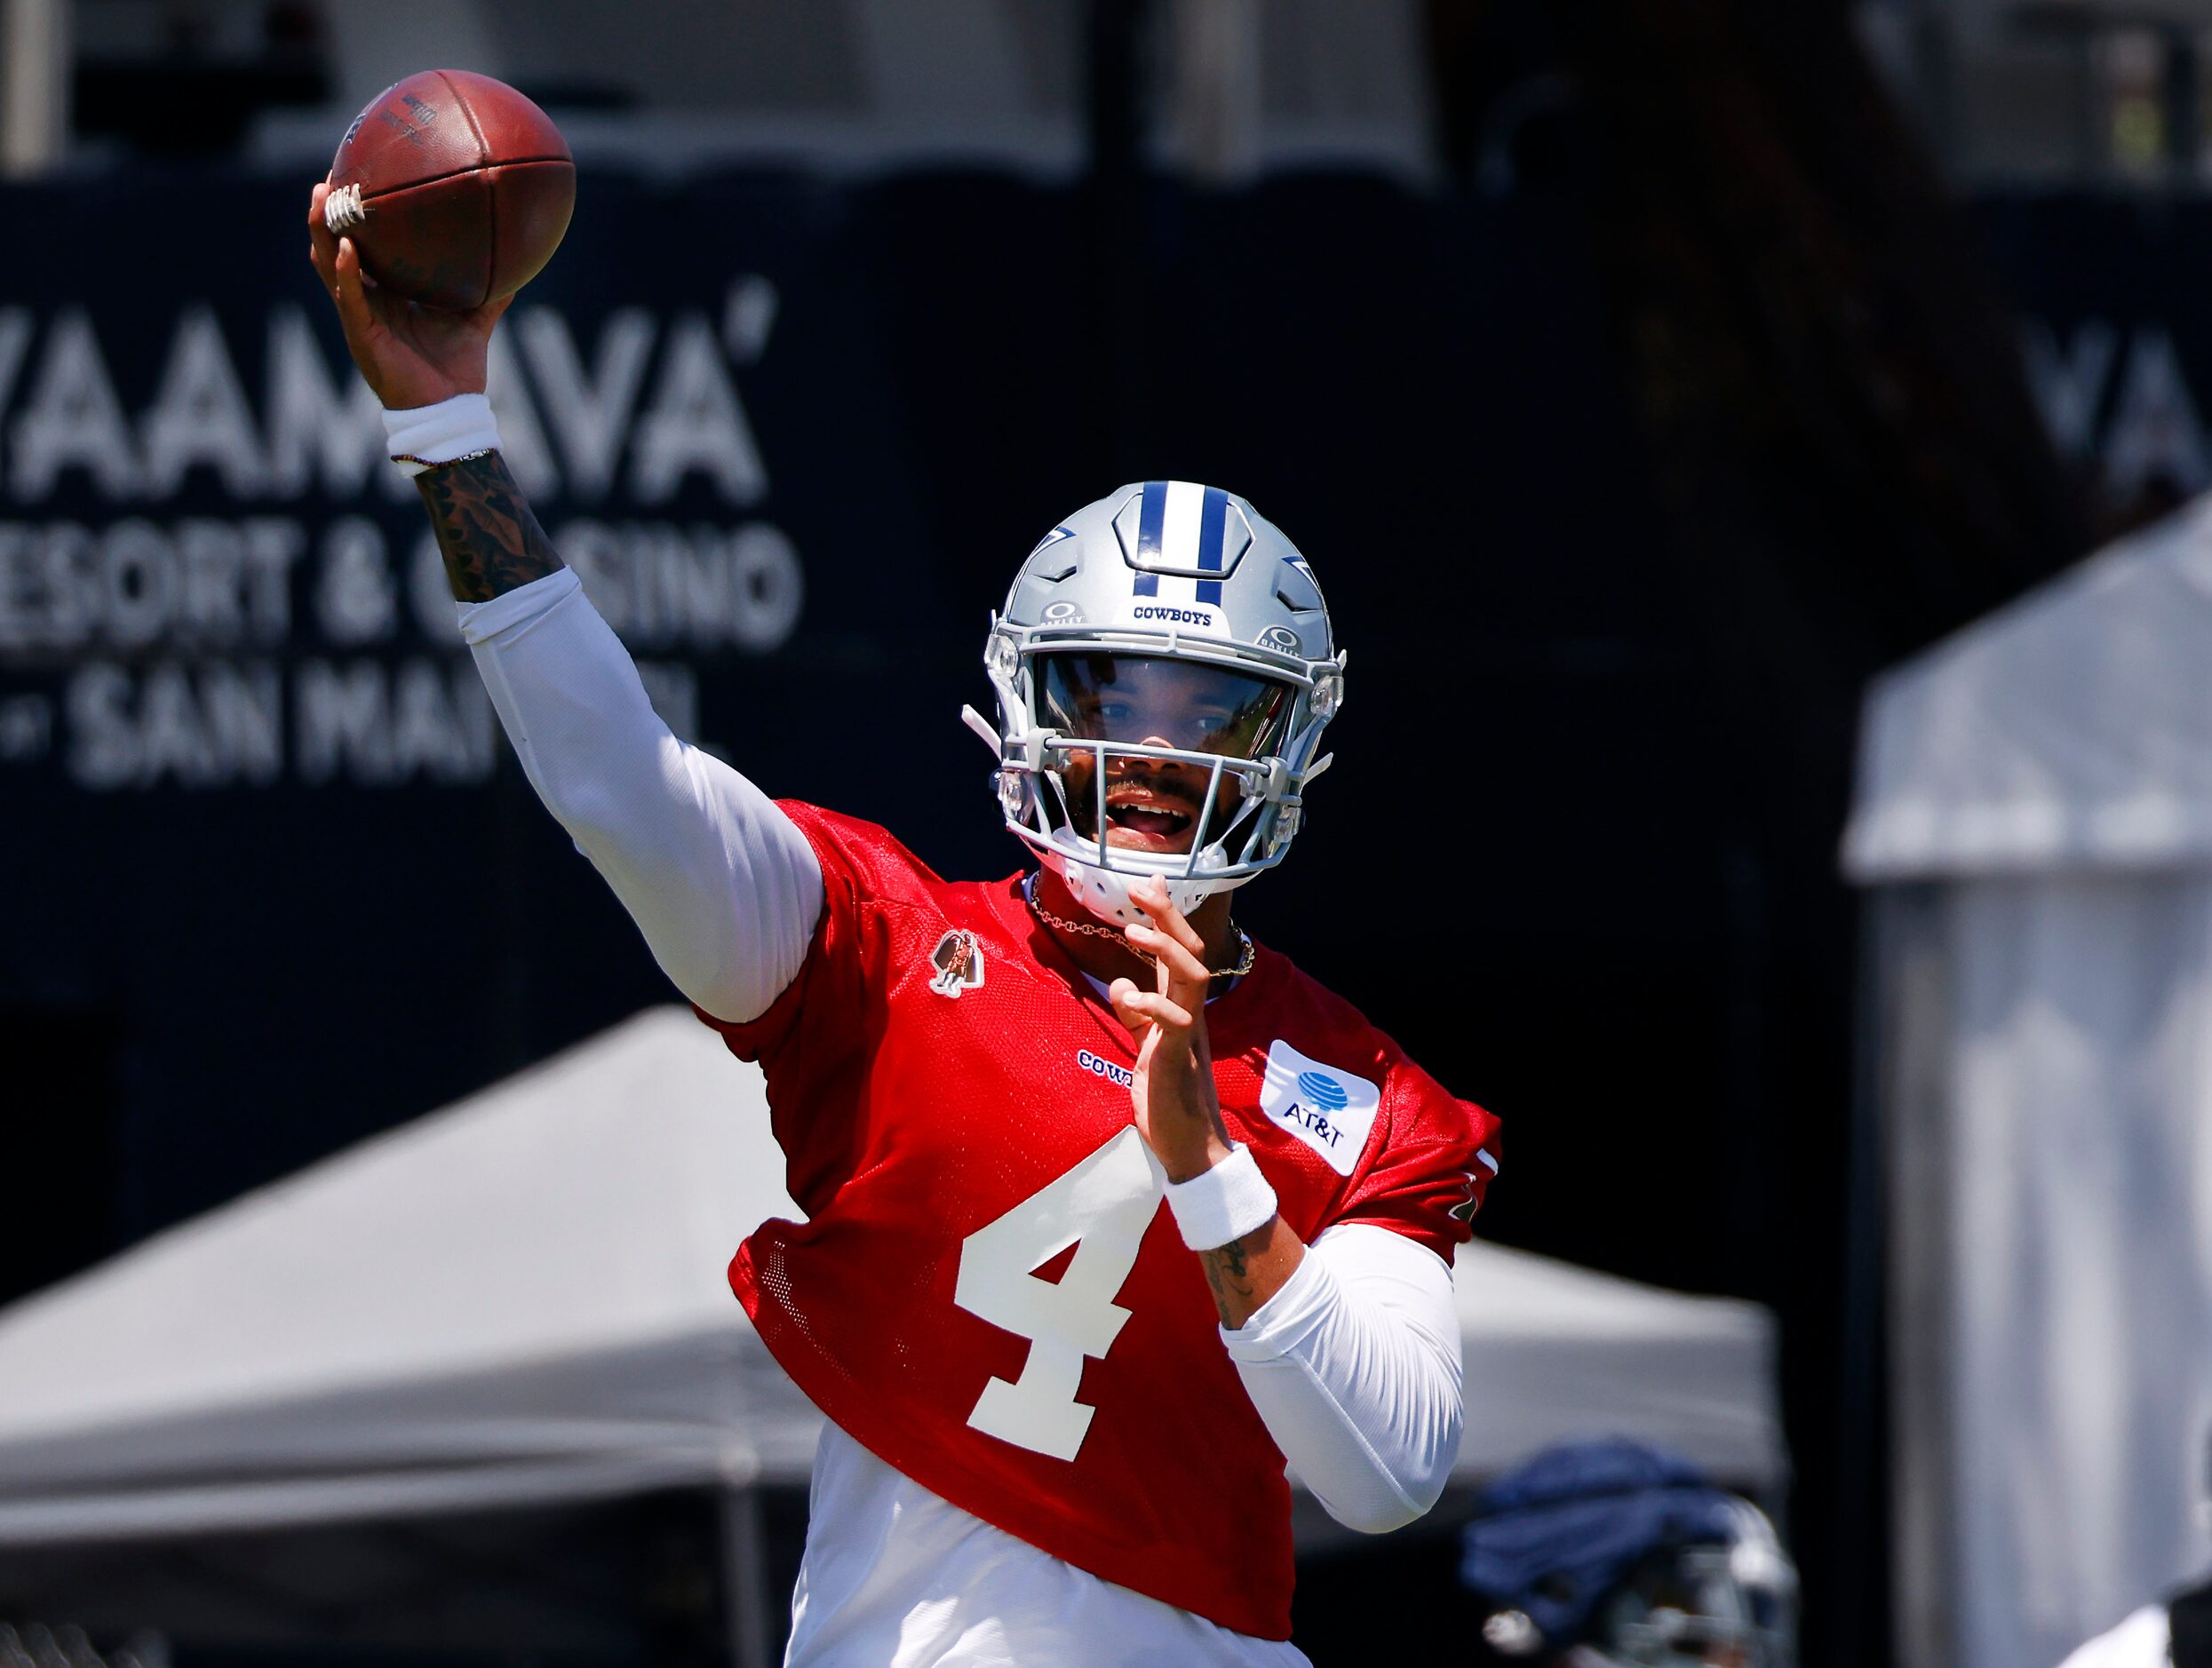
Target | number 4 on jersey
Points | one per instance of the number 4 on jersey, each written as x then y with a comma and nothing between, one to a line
1101,1207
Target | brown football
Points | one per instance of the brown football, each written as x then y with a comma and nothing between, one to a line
455,188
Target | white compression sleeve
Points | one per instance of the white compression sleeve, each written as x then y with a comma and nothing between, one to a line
725,887
1355,1369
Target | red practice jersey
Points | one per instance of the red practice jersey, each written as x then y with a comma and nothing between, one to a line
988,1292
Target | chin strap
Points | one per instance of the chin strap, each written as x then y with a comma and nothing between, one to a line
1250,954
1105,892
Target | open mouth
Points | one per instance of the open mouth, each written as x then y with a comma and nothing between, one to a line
1146,821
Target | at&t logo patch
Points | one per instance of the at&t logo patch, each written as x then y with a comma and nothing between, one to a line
1328,1109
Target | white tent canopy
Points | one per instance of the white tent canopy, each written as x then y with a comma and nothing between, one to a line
522,1299
2035,805
2070,731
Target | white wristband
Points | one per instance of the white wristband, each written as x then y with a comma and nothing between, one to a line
424,435
1223,1204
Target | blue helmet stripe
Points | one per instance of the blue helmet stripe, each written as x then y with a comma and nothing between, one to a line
1152,517
1212,528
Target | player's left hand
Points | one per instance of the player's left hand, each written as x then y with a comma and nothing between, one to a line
1177,1110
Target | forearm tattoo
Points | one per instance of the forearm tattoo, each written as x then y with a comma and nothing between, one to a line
491,541
1225,1272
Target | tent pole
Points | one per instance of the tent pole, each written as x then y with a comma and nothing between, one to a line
745,1578
1914,1025
34,62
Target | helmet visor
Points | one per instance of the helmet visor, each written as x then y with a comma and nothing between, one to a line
1138,700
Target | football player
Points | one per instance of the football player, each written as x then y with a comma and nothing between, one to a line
1058,1415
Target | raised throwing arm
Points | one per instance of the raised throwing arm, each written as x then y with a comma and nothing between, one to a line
724,886
491,541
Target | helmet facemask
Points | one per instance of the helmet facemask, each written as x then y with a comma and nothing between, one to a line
1150,755
1211,741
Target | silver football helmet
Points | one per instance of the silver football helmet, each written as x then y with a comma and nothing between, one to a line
1691,1606
1165,636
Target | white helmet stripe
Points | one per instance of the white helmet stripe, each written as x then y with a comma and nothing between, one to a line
1179,528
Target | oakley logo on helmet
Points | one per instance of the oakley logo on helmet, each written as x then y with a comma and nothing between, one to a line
1062,613
1281,639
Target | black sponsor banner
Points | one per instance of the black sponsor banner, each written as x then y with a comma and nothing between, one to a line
260,823
210,579
268,856
2115,337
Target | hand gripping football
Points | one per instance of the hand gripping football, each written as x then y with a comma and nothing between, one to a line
455,188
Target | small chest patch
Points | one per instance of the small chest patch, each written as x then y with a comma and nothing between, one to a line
958,962
1326,1108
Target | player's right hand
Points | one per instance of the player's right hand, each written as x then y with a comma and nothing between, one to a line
1178,1110
410,355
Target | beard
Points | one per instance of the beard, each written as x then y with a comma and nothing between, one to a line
1162,817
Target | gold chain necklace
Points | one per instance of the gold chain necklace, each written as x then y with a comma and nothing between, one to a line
1243,962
